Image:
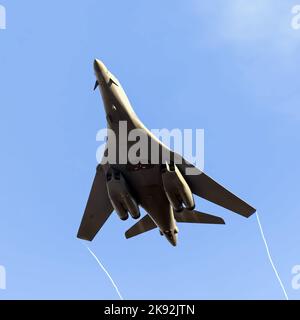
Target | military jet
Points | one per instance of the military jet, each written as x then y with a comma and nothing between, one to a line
163,188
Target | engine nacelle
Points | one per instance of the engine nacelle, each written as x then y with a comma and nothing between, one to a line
176,188
120,197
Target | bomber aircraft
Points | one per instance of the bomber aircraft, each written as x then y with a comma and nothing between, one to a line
159,180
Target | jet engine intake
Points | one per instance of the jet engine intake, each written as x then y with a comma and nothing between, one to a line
177,190
120,196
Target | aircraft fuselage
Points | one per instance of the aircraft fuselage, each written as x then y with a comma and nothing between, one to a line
151,197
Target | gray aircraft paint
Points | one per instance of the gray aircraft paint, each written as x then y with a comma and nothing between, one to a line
164,189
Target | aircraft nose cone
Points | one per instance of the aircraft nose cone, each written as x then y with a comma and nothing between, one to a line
99,66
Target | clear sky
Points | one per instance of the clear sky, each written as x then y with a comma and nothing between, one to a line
229,67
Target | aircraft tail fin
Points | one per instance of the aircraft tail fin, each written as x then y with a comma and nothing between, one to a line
143,225
193,216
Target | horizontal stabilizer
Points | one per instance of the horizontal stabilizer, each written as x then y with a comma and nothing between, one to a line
144,225
197,217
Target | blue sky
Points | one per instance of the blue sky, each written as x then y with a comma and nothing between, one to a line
231,68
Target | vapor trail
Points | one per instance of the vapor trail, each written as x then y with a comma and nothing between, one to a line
106,272
270,258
